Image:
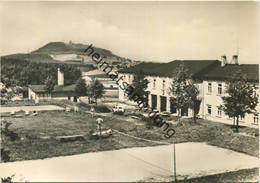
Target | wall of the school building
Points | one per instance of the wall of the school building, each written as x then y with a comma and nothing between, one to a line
209,99
161,93
213,100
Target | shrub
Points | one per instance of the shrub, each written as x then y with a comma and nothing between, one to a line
119,112
102,108
98,108
7,179
13,136
5,155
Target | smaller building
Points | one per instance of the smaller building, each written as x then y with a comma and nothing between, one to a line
37,93
60,92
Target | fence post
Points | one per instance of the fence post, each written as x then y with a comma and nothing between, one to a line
174,162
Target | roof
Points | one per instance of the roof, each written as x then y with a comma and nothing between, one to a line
223,73
96,73
57,88
195,67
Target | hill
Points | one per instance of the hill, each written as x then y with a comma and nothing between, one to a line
69,48
61,48
70,53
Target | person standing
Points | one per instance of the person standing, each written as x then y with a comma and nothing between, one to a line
99,125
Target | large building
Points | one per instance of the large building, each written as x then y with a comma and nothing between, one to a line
214,85
210,75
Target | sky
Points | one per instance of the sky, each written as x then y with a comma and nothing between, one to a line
147,31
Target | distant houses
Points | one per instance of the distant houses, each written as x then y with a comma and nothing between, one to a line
110,86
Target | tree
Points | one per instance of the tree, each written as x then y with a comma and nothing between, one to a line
178,88
139,84
81,88
240,99
6,95
49,84
192,96
95,90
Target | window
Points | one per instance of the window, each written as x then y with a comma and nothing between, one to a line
255,92
154,83
209,87
242,118
256,118
209,109
219,112
220,89
163,87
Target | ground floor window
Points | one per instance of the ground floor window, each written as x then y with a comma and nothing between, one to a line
219,112
173,105
184,111
209,109
256,119
163,103
242,118
154,101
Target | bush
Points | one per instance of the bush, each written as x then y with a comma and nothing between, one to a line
5,155
102,108
13,136
7,179
118,112
98,108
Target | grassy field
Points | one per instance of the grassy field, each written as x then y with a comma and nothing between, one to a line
246,175
37,134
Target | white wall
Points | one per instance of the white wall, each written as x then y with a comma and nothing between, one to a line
157,90
215,99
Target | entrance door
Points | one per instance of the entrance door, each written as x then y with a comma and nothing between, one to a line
173,105
154,101
184,111
163,103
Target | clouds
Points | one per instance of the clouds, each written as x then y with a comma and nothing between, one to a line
157,31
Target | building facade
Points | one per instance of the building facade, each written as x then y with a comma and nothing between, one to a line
210,77
215,84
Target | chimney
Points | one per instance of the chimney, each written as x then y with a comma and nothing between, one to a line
235,59
60,77
223,60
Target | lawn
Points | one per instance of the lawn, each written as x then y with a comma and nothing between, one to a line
37,135
245,175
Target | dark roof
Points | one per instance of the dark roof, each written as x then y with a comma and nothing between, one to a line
222,73
57,89
99,75
195,67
